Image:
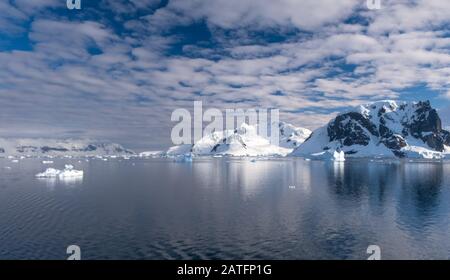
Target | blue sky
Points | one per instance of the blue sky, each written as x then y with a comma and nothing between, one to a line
117,68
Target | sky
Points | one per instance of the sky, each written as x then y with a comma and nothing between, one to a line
116,69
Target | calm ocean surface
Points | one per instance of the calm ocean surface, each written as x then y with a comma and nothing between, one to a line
221,208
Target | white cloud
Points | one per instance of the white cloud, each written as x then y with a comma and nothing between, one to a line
128,89
230,14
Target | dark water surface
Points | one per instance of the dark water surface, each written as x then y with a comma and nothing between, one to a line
220,208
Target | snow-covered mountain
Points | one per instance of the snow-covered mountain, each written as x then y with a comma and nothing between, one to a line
291,136
384,128
57,147
243,141
152,154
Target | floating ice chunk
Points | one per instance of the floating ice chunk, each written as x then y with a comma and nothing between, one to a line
14,161
338,156
49,173
329,155
71,173
7,167
68,172
47,161
422,153
183,158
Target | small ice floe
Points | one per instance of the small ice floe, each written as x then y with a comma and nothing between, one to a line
339,156
11,157
15,161
291,187
68,172
47,161
183,158
49,173
336,155
7,167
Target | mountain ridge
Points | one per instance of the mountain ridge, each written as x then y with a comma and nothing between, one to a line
58,147
384,128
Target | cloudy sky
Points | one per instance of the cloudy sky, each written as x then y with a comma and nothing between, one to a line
117,68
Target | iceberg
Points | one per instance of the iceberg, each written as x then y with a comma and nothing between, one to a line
183,158
68,172
339,156
49,173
